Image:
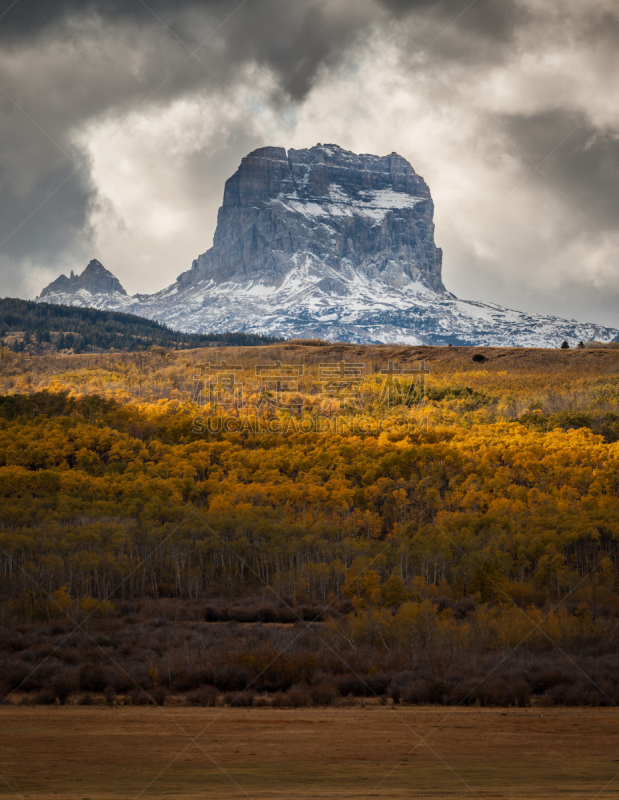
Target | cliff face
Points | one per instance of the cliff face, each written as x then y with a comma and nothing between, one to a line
95,279
323,208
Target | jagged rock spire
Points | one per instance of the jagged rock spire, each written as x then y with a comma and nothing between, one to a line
95,279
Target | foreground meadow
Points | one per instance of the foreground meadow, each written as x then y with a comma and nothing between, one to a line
103,754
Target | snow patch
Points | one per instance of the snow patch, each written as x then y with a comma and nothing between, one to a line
338,203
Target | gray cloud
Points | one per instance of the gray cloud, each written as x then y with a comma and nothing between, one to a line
581,160
515,77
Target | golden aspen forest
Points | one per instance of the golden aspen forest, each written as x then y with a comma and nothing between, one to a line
439,526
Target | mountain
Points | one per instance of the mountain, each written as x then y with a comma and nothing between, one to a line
94,280
323,214
324,243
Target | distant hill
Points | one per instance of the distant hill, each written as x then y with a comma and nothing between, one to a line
26,325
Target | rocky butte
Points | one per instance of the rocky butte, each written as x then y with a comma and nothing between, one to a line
324,243
326,217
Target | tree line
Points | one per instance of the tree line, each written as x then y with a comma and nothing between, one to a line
45,326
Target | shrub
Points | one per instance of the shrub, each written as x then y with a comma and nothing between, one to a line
349,701
493,692
298,696
262,701
519,692
205,696
416,693
543,679
21,676
121,681
377,684
93,678
231,678
279,700
350,684
212,614
26,700
287,614
310,614
140,698
241,614
46,697
240,699
267,614
159,695
324,693
363,685
63,685
190,680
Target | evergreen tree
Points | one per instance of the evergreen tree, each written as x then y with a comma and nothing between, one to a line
101,330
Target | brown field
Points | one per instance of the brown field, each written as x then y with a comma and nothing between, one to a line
86,753
602,360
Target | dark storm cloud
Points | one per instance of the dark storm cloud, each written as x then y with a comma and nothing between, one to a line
293,38
68,62
496,21
28,17
114,56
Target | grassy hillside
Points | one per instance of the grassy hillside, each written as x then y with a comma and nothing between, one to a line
35,328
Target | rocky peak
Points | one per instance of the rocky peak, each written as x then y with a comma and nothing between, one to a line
95,279
323,210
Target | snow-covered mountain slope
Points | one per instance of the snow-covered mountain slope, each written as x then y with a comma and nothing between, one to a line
325,243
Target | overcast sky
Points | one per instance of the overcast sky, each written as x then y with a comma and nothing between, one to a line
120,121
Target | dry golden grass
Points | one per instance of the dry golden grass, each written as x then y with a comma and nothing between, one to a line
84,752
450,357
156,374
444,359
